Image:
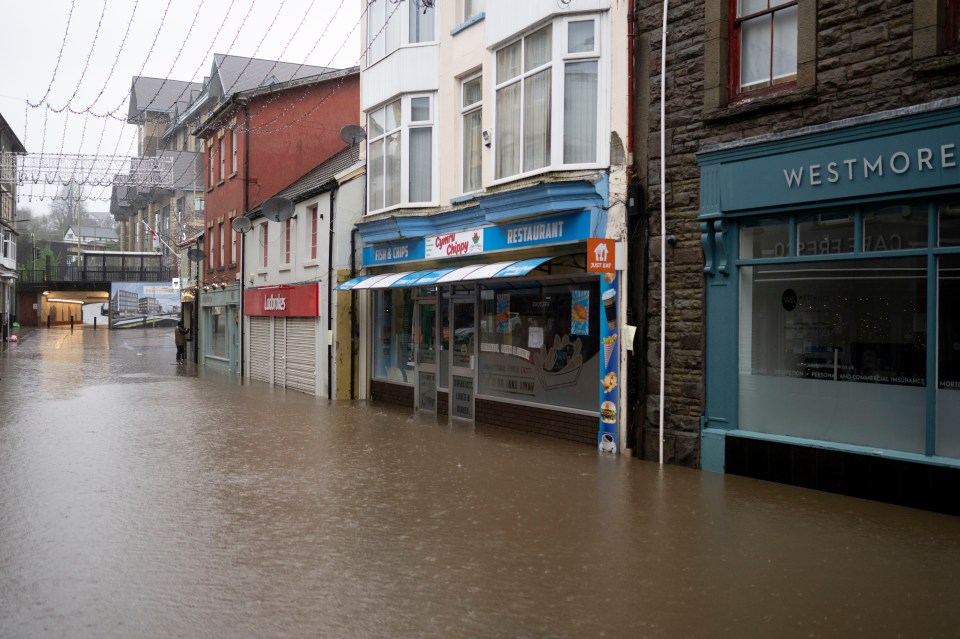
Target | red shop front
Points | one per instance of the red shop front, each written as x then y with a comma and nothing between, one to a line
283,336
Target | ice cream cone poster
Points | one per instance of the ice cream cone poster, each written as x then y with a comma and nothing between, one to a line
580,313
609,363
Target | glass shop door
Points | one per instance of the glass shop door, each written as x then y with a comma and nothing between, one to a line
426,349
463,360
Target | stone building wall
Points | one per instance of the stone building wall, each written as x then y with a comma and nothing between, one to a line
868,57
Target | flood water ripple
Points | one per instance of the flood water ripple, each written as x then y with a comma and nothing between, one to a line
143,499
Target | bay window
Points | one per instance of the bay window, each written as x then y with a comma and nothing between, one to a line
763,44
392,23
548,87
400,152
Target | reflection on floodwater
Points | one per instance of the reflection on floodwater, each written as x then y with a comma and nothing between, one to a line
143,499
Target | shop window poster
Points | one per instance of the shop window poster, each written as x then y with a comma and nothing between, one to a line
580,313
503,313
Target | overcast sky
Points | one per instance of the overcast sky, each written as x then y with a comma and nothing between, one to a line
87,60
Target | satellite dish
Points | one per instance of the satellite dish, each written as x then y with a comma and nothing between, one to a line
195,254
241,224
277,209
352,134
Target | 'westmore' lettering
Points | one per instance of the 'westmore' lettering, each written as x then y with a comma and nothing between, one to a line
851,169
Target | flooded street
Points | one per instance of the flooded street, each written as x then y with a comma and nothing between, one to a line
143,499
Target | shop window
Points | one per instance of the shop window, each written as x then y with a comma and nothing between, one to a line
541,345
948,358
765,238
393,335
896,227
949,224
835,350
825,233
217,332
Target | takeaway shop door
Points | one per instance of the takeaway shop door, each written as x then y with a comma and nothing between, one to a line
463,357
425,332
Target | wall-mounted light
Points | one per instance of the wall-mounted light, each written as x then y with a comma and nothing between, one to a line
486,138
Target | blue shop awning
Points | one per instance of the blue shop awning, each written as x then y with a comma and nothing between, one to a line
469,273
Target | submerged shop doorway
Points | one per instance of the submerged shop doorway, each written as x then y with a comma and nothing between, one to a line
462,347
425,333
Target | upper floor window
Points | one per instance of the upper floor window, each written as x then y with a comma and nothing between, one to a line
264,244
422,21
472,8
391,23
223,158
233,149
212,178
763,44
286,240
400,152
471,107
548,98
313,232
952,24
221,257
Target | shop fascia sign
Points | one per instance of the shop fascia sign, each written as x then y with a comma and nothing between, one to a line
565,228
921,159
282,301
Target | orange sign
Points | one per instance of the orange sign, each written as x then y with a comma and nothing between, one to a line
600,255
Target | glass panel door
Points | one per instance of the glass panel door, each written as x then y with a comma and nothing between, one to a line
426,346
463,358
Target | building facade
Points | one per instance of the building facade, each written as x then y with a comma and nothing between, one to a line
10,148
811,188
496,153
293,336
254,117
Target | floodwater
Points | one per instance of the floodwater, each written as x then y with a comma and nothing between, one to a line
143,499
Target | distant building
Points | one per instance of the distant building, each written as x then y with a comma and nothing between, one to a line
149,305
92,235
10,147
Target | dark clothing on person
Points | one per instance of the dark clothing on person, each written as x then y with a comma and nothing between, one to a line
180,339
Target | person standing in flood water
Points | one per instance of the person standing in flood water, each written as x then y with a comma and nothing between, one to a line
180,339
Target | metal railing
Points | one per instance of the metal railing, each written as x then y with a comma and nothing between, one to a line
74,273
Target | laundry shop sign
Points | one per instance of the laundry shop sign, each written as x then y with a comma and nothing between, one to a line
900,155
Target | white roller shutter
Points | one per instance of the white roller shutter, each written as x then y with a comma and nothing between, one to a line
280,352
302,354
260,348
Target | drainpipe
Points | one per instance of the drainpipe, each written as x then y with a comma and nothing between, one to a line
353,314
330,277
663,217
246,206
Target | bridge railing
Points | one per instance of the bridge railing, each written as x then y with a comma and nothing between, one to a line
72,273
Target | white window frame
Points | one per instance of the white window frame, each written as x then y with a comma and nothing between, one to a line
467,11
404,126
469,110
559,59
382,40
223,159
222,246
287,241
264,244
314,230
234,243
233,145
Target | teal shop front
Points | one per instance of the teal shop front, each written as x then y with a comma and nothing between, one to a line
499,324
832,273
220,327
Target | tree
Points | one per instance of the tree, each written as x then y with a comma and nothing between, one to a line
63,210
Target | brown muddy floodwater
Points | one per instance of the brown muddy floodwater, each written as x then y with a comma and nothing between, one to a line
141,499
